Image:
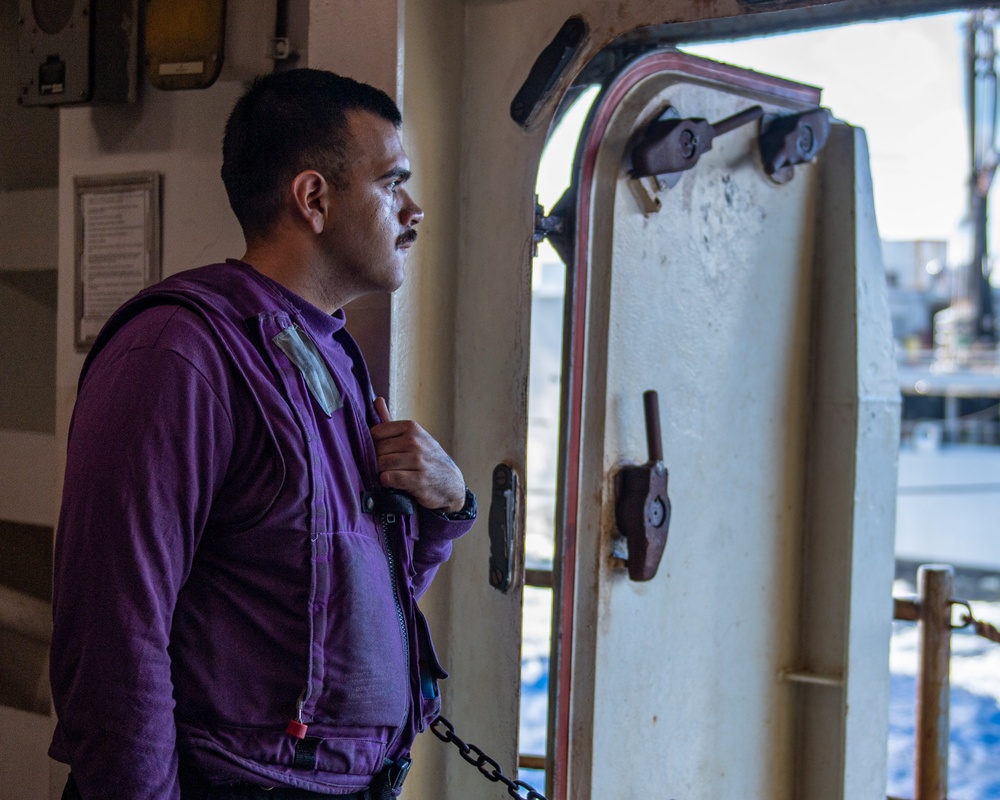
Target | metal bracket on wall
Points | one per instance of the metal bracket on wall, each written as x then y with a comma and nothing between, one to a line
792,139
670,146
502,524
77,51
547,70
557,226
642,506
647,188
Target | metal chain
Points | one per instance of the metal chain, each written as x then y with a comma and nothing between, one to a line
487,766
982,628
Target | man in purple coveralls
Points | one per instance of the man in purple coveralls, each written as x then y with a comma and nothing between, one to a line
244,532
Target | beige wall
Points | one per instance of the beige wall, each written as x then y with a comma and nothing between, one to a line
30,135
28,223
24,768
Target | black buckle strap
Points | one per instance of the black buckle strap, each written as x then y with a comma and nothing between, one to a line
396,773
385,786
305,752
387,501
388,783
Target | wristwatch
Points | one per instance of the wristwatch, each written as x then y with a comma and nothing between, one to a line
468,511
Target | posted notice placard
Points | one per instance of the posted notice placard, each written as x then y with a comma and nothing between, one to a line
117,246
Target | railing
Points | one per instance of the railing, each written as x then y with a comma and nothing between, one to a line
980,360
932,610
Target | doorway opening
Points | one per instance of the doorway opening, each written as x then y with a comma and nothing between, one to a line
921,192
545,400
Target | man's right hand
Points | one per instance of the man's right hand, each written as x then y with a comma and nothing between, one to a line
411,460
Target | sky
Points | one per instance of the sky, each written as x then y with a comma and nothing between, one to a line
902,81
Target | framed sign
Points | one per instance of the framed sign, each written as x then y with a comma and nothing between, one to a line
117,246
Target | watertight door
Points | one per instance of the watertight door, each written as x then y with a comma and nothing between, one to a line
755,663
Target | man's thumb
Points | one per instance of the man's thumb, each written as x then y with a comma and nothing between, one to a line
382,409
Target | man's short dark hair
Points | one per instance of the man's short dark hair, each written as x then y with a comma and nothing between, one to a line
285,123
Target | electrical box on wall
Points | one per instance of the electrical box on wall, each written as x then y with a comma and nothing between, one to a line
58,42
184,42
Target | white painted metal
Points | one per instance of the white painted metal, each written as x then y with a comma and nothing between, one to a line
481,628
706,302
25,632
853,440
710,302
249,34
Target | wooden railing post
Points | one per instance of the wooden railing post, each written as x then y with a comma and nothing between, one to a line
936,585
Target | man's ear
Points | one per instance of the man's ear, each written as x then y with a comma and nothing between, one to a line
311,199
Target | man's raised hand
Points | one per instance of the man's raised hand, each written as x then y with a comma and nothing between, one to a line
411,460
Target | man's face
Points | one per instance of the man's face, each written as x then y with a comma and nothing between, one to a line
370,227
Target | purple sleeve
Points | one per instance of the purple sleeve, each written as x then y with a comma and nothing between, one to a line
148,449
433,546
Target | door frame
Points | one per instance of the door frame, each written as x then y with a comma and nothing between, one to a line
569,610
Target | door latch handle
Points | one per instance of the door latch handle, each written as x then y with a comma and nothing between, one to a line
503,518
642,507
792,139
672,145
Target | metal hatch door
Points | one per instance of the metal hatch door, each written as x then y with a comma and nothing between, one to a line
755,663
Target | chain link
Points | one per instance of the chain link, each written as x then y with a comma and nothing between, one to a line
487,766
982,628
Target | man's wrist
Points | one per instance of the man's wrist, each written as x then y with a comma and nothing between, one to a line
467,511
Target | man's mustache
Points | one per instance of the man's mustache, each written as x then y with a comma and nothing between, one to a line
408,237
